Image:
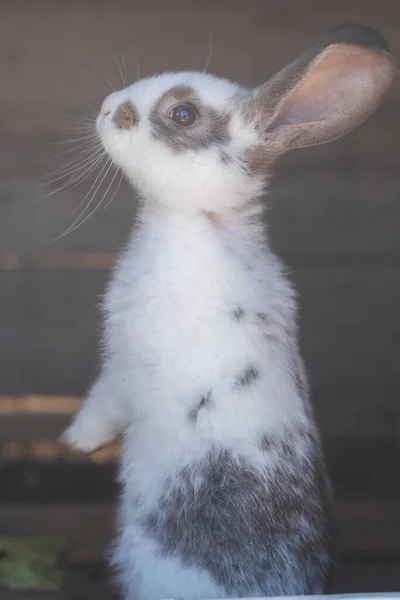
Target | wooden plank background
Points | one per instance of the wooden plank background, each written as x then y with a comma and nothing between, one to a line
334,218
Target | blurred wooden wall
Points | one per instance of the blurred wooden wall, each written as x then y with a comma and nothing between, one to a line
334,217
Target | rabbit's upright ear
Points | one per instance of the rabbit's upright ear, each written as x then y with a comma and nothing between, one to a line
327,91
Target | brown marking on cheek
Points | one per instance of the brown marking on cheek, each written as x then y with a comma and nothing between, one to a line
126,116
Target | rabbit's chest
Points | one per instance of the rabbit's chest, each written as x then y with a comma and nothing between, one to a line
185,299
187,331
196,321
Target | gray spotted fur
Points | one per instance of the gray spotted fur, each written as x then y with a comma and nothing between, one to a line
279,539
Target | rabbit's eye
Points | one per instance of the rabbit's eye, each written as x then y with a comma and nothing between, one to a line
183,115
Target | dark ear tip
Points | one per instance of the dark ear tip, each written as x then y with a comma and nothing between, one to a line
362,35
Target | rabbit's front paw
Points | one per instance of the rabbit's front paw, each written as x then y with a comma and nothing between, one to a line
87,435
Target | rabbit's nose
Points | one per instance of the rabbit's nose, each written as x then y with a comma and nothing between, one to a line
112,102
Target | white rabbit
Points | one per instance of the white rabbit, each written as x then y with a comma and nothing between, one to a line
224,491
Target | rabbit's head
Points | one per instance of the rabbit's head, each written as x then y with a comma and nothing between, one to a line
199,143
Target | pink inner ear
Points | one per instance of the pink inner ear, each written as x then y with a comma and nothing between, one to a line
301,113
340,89
322,96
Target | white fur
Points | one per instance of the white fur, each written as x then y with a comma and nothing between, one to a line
170,335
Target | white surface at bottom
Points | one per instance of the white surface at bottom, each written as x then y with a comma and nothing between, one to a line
375,596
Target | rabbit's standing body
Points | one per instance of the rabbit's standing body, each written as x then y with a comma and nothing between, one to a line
223,483
224,491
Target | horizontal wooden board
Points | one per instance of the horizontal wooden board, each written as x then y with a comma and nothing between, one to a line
88,529
350,325
357,467
38,405
59,261
315,216
318,215
340,413
50,332
77,500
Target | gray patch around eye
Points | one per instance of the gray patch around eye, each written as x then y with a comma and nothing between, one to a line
126,116
247,377
212,129
205,401
256,533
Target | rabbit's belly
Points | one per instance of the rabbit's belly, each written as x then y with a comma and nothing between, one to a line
145,574
230,528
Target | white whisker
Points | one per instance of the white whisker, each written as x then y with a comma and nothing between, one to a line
209,53
137,69
76,162
119,70
70,184
108,164
83,150
115,193
86,137
77,224
125,70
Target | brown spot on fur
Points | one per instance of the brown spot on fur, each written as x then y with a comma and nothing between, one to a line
126,116
247,377
211,127
262,317
238,313
205,401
